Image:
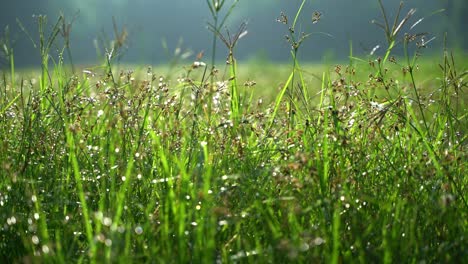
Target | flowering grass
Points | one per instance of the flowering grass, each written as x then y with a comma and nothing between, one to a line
357,162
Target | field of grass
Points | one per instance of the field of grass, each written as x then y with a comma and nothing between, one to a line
363,161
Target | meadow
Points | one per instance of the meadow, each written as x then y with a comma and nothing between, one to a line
202,162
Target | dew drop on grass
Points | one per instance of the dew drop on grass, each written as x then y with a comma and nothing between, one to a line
45,249
318,241
11,220
100,238
34,198
99,215
304,247
35,240
194,224
107,221
138,230
36,216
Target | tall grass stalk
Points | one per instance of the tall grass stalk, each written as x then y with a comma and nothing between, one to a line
216,7
230,42
7,50
45,44
295,40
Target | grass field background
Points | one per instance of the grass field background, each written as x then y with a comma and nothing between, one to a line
358,161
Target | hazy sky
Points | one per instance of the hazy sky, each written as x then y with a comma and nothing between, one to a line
150,22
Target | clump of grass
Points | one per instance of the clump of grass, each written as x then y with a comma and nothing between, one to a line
110,165
231,42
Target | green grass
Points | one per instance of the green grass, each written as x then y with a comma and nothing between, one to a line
355,162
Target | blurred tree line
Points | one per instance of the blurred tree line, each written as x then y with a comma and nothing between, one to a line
457,11
148,22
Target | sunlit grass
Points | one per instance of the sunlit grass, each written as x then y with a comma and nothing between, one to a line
362,161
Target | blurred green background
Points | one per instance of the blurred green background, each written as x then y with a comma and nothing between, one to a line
183,23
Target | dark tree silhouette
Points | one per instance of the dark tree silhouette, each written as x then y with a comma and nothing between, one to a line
456,11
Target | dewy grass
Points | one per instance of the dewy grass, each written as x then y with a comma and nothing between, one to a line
230,42
112,165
